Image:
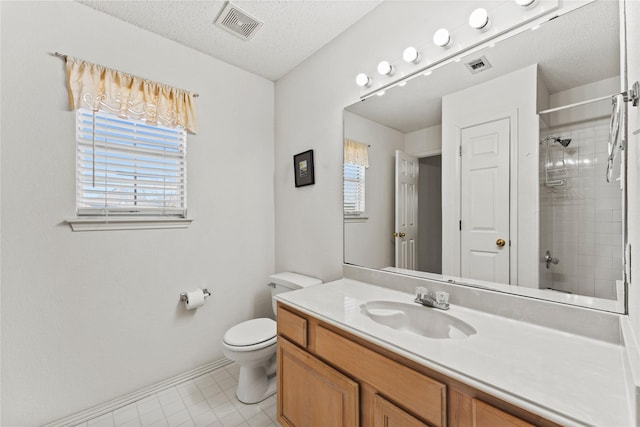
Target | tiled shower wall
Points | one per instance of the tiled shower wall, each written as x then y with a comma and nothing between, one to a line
581,220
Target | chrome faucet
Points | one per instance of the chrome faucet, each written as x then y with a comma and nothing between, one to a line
424,297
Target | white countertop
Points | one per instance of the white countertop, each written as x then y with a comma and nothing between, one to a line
566,378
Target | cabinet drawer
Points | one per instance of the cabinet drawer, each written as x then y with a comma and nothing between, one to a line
292,326
404,386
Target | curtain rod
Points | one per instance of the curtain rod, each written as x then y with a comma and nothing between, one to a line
577,104
62,55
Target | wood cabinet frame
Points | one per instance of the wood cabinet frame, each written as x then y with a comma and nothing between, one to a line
459,405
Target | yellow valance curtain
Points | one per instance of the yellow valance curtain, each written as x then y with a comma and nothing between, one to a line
356,152
100,88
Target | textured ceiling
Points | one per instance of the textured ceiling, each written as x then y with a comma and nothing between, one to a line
292,31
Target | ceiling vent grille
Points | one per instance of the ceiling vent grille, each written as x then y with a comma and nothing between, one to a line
238,22
478,65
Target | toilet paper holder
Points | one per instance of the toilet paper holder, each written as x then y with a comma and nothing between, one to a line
183,295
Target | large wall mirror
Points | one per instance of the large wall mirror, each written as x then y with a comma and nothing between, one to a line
492,171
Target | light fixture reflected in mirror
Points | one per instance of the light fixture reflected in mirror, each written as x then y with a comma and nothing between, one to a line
363,80
479,19
385,68
442,38
411,55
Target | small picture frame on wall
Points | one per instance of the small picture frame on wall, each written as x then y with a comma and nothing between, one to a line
303,169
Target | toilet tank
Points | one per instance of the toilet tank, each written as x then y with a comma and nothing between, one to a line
287,281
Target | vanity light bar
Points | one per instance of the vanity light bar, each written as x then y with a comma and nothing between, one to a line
481,20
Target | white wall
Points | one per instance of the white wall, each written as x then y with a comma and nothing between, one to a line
423,142
512,95
89,316
369,242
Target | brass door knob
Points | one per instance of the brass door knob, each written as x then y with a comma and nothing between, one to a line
500,242
402,234
398,234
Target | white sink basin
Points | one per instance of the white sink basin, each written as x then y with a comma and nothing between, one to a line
414,318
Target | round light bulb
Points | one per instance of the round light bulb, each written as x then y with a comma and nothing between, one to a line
363,80
479,19
411,54
442,37
385,68
525,3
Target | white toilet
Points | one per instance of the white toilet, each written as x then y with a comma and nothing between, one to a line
252,344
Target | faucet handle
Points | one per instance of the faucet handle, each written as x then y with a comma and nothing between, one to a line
442,297
421,292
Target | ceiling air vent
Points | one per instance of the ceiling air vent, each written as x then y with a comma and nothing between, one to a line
478,65
238,22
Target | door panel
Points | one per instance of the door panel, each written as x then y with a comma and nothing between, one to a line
485,201
406,217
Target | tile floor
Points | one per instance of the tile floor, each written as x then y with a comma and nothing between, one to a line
207,401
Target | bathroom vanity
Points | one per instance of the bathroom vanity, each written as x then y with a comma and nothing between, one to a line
355,354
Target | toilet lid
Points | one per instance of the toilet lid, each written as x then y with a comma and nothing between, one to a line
251,332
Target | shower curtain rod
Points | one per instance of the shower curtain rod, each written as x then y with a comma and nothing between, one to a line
632,95
64,56
577,104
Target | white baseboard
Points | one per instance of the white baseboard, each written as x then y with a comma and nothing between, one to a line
119,402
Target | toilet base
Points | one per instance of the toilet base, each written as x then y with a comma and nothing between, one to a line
256,383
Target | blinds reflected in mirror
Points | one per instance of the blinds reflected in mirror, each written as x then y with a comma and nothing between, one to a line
354,186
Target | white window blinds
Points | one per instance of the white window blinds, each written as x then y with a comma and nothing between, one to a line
126,167
353,189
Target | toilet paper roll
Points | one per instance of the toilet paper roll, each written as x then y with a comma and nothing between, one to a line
194,299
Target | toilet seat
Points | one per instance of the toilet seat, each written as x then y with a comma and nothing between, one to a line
251,335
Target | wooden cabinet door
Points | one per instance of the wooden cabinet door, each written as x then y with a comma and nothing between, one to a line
485,415
386,414
311,393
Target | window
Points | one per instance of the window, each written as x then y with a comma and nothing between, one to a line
354,189
129,168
